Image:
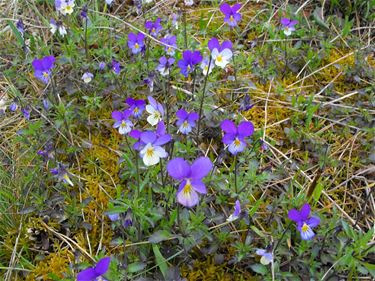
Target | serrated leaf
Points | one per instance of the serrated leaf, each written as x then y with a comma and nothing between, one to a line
159,236
160,260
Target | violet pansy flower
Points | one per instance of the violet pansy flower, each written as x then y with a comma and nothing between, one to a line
288,25
87,77
232,17
235,136
42,68
57,26
221,54
169,40
136,42
186,121
116,67
165,65
150,146
149,81
20,26
95,273
304,222
236,213
136,106
61,173
65,7
123,123
155,110
154,27
189,60
191,178
266,256
207,66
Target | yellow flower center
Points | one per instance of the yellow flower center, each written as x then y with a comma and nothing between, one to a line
150,152
185,124
123,124
69,9
305,227
237,142
136,46
136,109
219,58
169,49
45,74
187,188
153,30
157,115
231,19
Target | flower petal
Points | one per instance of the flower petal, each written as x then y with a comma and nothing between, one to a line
88,274
163,140
225,8
229,127
102,265
148,137
305,212
213,43
245,129
188,199
201,167
294,215
199,186
178,168
117,115
182,114
313,221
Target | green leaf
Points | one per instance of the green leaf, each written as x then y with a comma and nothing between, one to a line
259,268
318,191
257,231
160,260
160,235
370,267
136,266
16,33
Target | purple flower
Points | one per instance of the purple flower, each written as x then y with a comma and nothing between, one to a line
123,123
234,136
186,121
116,67
101,65
47,153
13,106
150,146
164,65
215,44
288,25
232,17
61,174
57,26
267,257
136,106
95,273
304,222
26,112
149,81
236,213
169,40
246,103
20,26
175,20
46,104
135,42
83,13
87,77
114,217
207,69
188,61
42,68
191,178
154,27
156,111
